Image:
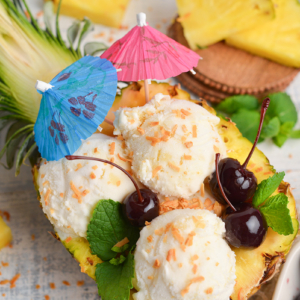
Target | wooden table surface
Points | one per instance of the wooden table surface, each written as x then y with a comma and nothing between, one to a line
39,258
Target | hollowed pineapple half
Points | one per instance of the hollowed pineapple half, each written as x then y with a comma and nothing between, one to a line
5,234
253,267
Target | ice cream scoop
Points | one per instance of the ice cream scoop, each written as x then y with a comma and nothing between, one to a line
70,189
172,144
182,255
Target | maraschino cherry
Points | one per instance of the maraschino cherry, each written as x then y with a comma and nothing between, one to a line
245,226
138,207
239,184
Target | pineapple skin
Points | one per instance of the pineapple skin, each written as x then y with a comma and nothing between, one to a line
253,267
207,22
278,39
106,12
5,234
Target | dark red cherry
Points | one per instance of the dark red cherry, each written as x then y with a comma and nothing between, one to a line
245,225
239,184
246,228
139,206
139,212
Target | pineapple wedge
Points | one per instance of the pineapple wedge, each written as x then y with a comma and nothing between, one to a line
253,267
278,40
207,22
106,12
5,234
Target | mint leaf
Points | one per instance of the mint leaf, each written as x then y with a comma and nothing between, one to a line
284,133
271,128
118,261
115,281
120,249
266,188
247,122
277,214
295,134
107,227
234,103
282,106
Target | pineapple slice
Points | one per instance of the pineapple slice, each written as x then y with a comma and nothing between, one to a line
253,267
207,22
5,234
278,40
106,12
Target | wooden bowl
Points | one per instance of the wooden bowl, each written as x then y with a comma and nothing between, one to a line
226,71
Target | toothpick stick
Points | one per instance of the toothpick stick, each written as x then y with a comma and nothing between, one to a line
109,122
146,86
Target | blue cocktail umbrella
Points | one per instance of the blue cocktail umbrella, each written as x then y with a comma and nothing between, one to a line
73,105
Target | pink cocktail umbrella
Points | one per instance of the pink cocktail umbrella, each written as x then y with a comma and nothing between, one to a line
144,53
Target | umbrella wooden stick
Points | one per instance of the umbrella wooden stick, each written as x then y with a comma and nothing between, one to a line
109,122
146,86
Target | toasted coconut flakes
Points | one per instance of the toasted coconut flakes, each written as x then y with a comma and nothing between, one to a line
37,286
168,226
156,170
150,113
150,277
180,265
182,116
216,149
52,285
259,169
156,134
131,121
194,129
5,281
176,234
207,258
141,130
184,129
79,166
154,124
43,175
202,190
156,264
185,172
153,139
159,231
123,159
66,283
185,112
188,144
189,241
45,183
92,175
147,223
112,148
217,264
165,238
148,250
95,167
165,138
85,192
194,269
171,254
76,192
187,157
112,160
176,112
209,291
118,183
199,223
95,150
170,203
123,145
47,196
207,203
183,139
174,167
150,238
173,131
69,239
52,211
122,243
217,208
80,187
120,138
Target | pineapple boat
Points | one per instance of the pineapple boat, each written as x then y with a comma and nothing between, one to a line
169,147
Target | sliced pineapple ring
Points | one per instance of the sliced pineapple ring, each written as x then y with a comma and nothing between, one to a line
207,22
278,39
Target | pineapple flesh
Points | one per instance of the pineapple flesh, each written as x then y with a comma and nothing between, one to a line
253,267
106,12
278,39
207,22
5,234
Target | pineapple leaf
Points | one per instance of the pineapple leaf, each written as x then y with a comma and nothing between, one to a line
29,152
48,14
93,47
73,32
87,27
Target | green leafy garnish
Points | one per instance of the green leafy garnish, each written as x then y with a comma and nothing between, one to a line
117,261
279,122
115,281
274,209
108,227
120,249
277,214
266,188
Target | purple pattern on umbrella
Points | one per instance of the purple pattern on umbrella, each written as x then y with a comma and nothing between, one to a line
87,104
64,76
60,128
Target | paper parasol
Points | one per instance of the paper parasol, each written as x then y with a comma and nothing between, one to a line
145,53
73,105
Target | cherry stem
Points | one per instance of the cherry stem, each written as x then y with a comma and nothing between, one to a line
219,182
264,108
74,157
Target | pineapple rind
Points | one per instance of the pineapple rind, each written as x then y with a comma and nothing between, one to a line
278,39
207,22
106,12
5,234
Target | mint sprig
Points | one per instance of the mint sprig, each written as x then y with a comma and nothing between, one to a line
108,227
115,281
274,209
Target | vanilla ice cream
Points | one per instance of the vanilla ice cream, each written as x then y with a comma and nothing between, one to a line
172,144
70,189
183,255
